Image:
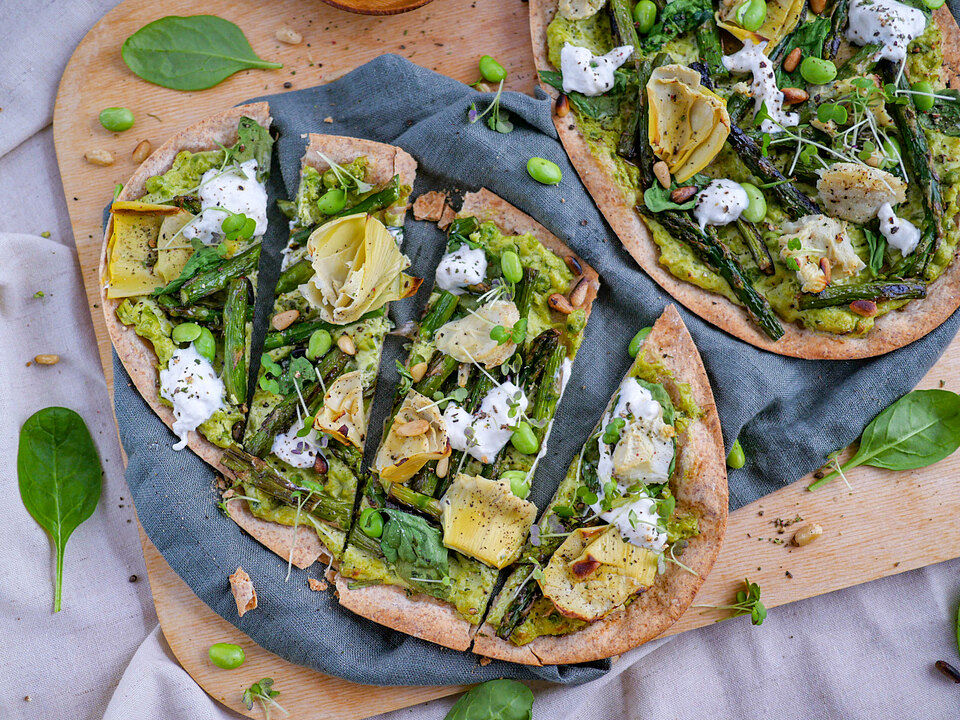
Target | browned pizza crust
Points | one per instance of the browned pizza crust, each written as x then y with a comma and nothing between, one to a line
892,331
420,615
699,485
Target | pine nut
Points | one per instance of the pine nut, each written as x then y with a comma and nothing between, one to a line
288,36
864,308
46,359
281,321
142,151
682,194
662,171
320,464
575,267
579,294
792,60
443,465
563,106
559,303
98,157
346,345
413,428
818,6
826,267
418,371
792,96
807,534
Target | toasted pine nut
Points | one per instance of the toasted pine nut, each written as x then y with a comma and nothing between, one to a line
443,465
142,151
826,267
662,171
413,428
574,264
864,308
559,303
807,534
563,106
792,96
418,371
463,374
792,60
818,6
47,359
346,345
682,194
320,464
579,294
98,157
281,321
288,36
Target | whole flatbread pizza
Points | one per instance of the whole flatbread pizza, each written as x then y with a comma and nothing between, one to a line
789,172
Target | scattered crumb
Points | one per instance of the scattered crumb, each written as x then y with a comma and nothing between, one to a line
288,35
317,585
243,591
447,217
429,206
789,575
328,119
46,234
484,661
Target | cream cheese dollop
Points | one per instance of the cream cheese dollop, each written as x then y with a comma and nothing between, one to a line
191,385
901,234
483,434
589,74
465,266
887,22
763,88
236,190
720,203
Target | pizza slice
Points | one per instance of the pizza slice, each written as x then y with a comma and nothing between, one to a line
445,508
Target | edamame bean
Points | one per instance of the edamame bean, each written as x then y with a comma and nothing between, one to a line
752,14
491,70
319,344
544,171
186,332
332,201
524,439
371,522
817,71
891,149
756,203
924,100
205,344
933,4
634,347
511,266
518,482
226,655
116,119
737,458
644,15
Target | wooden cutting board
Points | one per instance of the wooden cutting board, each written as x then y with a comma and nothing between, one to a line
867,536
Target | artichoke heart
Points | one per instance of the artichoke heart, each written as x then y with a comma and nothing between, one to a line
357,268
823,243
781,18
343,414
417,436
468,339
688,122
136,228
644,451
172,250
854,192
595,571
483,519
579,9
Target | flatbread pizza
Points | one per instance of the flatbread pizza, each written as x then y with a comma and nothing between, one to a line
789,176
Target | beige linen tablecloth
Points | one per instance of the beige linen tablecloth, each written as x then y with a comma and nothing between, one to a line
866,652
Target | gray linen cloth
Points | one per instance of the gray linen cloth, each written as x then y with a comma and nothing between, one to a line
787,413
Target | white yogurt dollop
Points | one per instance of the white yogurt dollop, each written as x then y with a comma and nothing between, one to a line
720,203
301,452
763,88
236,190
196,392
887,22
484,434
465,266
588,74
638,523
901,234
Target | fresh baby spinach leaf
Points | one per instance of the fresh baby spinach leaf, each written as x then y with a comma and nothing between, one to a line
494,700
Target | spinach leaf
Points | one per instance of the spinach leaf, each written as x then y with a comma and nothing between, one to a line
203,258
657,199
299,371
919,429
877,245
677,18
190,53
494,700
253,143
414,547
600,106
945,115
809,38
60,476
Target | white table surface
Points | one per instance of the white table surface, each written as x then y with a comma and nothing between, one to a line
865,652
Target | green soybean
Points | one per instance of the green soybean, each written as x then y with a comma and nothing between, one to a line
226,655
319,344
934,4
491,70
511,266
645,16
752,14
524,439
332,201
544,171
634,347
923,99
186,332
891,149
205,344
116,119
817,71
737,458
518,482
756,203
371,522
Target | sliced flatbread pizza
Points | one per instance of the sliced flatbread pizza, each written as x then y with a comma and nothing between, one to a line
635,526
178,273
446,508
301,458
794,184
